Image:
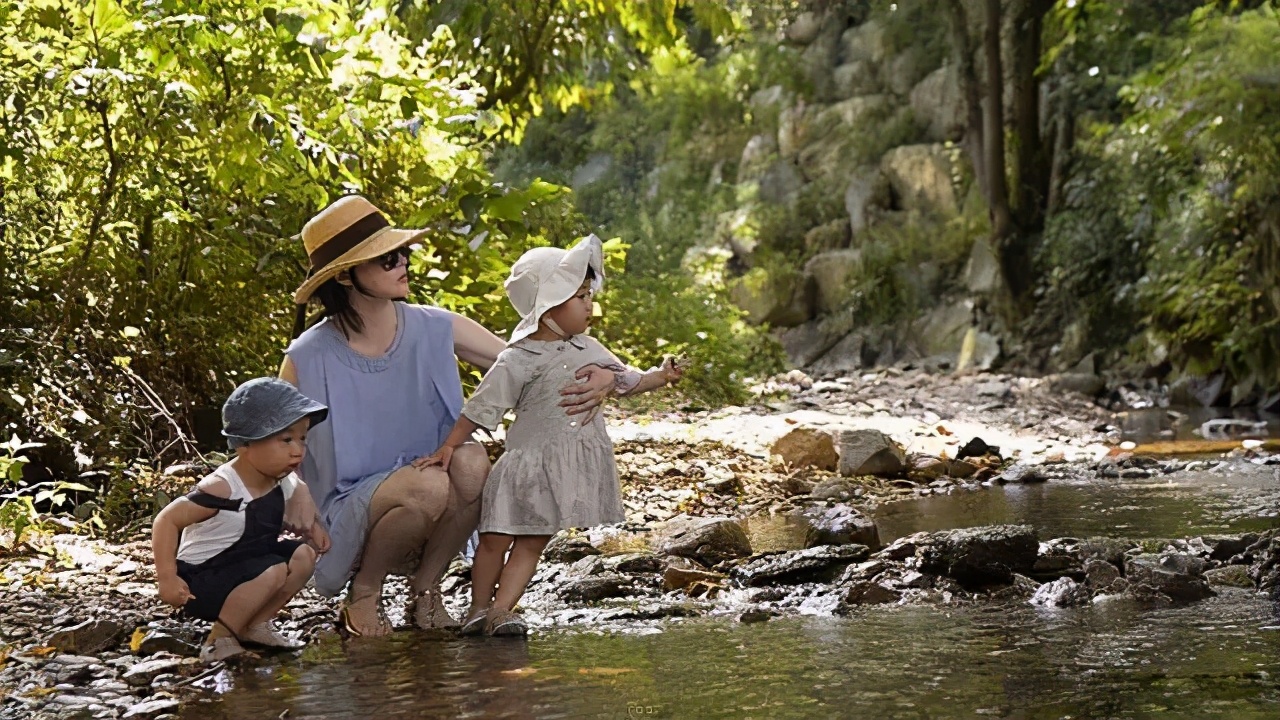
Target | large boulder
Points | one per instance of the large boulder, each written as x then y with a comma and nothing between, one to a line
829,149
983,275
839,525
795,124
757,155
845,356
1063,592
815,564
564,548
855,78
978,351
808,342
941,331
921,178
780,297
807,447
938,104
869,452
596,587
867,41
1180,577
831,273
681,572
866,194
87,637
981,555
902,71
818,59
709,540
833,235
803,29
779,183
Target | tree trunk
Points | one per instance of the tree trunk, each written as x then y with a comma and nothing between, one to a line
1031,170
962,48
993,129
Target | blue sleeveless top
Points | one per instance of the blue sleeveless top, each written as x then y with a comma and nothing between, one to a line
384,411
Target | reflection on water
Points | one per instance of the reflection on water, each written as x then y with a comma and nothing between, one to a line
1188,423
1170,506
1209,659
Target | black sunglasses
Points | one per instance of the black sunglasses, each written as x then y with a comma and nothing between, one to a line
391,260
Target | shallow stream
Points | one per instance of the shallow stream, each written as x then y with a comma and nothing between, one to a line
1215,658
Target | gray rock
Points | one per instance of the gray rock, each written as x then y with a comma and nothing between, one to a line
832,272
833,235
564,548
980,555
1084,383
772,98
151,708
779,183
596,587
1100,574
866,194
869,452
941,331
803,29
807,447
845,356
840,525
1225,547
816,564
938,102
709,540
638,562
780,297
144,672
864,42
855,78
682,572
830,151
838,489
806,343
757,155
1058,557
156,641
1063,592
921,178
1180,577
88,637
794,128
1231,575
983,275
1020,474
978,350
867,593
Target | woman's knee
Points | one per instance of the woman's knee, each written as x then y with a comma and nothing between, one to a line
425,491
468,470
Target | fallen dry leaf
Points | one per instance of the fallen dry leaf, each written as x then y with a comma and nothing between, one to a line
604,671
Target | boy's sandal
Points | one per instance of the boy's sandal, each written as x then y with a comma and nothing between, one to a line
221,649
475,625
266,635
427,611
503,623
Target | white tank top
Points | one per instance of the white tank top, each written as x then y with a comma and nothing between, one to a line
204,540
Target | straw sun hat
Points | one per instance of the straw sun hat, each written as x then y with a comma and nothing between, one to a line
349,232
544,277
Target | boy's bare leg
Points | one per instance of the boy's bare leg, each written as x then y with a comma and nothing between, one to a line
300,567
486,568
516,574
246,600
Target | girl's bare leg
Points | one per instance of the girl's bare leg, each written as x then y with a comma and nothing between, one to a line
298,572
516,574
486,568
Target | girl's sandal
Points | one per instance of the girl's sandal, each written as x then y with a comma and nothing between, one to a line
427,611
504,623
475,625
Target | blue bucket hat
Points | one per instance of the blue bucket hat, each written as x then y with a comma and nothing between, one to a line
263,407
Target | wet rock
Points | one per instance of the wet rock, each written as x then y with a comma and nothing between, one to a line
1063,592
870,452
1058,557
1083,383
88,637
838,489
981,555
681,573
708,540
867,570
755,616
817,564
151,708
1225,547
976,447
640,562
1231,575
1180,577
596,587
807,447
144,672
1100,574
840,525
566,549
1021,475
71,668
866,592
587,566
157,641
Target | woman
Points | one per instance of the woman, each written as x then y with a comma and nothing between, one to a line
388,372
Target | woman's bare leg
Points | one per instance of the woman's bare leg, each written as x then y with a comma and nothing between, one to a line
516,574
403,513
468,470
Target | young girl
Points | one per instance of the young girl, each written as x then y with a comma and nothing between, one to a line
557,471
231,567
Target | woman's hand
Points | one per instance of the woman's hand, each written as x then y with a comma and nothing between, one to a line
174,591
595,385
440,457
318,538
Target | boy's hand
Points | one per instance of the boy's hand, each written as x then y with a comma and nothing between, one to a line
318,539
440,457
174,591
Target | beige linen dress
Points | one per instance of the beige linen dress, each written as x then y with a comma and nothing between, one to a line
557,471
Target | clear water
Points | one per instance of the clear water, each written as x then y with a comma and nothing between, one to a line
1215,658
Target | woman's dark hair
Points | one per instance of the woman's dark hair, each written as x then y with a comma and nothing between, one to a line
336,299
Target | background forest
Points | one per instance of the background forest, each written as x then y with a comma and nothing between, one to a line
1080,186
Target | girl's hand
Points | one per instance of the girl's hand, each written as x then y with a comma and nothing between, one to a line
318,539
586,396
440,457
174,591
672,369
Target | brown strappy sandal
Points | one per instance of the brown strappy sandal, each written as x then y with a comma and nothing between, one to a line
348,628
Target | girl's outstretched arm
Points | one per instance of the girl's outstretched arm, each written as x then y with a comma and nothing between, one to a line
668,373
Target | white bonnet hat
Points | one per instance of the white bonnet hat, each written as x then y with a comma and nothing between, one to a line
545,277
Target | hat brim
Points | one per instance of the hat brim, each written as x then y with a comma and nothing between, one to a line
379,243
570,271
